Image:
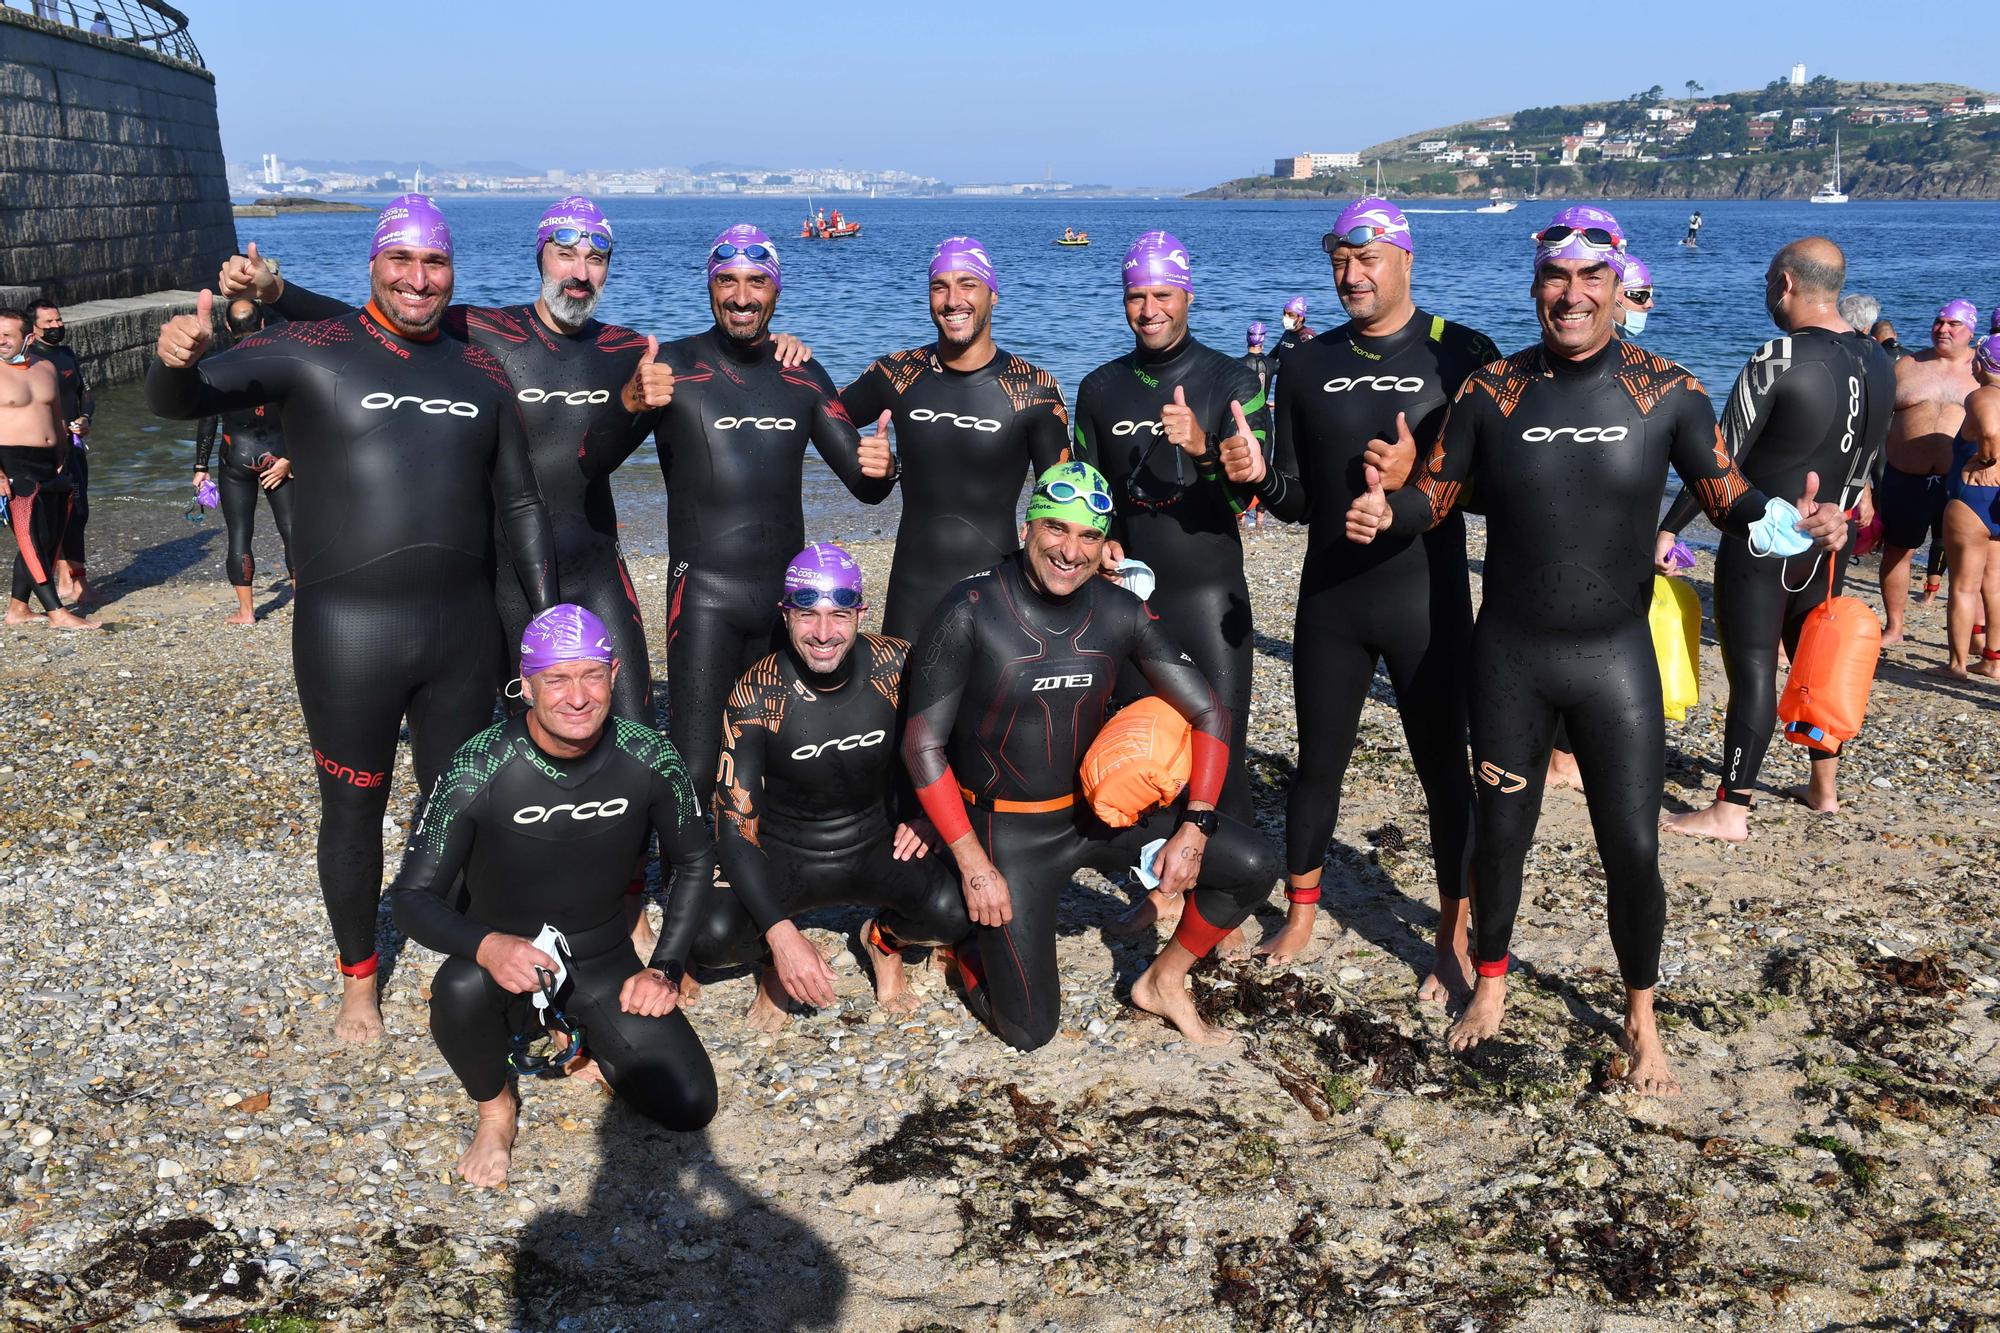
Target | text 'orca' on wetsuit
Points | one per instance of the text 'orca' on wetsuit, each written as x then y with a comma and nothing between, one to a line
1402,600
1178,514
1570,458
540,840
967,441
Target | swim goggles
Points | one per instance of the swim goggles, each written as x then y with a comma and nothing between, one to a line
1597,238
756,254
579,236
536,1052
805,599
1359,234
1639,295
1066,492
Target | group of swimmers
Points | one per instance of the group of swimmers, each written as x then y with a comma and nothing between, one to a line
929,773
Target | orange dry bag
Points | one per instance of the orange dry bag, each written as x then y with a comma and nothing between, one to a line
1139,762
1675,619
1826,695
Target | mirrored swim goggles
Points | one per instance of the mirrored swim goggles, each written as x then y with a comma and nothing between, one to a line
535,1052
805,599
578,237
1639,295
1066,492
1595,238
756,254
1362,233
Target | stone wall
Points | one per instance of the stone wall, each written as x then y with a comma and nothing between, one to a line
111,174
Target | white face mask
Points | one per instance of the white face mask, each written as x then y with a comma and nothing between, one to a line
1635,322
1291,321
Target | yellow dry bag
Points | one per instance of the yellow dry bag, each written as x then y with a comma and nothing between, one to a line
1675,617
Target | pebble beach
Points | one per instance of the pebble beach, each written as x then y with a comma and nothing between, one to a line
184,1146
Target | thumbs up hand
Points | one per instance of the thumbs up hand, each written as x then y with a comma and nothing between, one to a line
1396,459
1825,523
1178,425
1242,459
185,338
651,385
1369,514
876,459
250,275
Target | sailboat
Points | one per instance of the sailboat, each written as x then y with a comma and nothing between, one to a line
1830,192
1535,194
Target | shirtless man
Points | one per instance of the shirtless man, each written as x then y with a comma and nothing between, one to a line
1931,389
33,444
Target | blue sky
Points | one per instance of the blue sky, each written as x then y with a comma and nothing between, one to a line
1165,93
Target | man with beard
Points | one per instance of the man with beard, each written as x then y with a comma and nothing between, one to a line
973,423
51,344
405,442
1931,389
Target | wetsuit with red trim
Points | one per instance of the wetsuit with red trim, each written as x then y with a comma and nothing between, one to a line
39,500
1571,458
732,448
403,452
967,441
1812,401
567,386
78,400
251,442
1007,689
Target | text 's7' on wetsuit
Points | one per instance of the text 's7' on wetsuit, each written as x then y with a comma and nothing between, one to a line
567,386
1570,458
1178,514
967,442
1813,401
1403,601
549,840
403,451
803,807
732,448
1008,688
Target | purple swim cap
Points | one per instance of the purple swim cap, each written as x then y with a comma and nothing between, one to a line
1379,216
1632,270
965,254
1986,354
1962,311
575,211
1158,259
1296,306
1575,245
743,241
564,633
412,220
1256,334
824,568
1994,326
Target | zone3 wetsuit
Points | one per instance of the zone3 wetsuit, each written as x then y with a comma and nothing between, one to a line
1812,401
967,442
1402,600
809,763
1008,689
403,451
567,386
548,840
1178,514
250,441
1570,458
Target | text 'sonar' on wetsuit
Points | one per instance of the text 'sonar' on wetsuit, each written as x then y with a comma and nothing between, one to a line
1812,401
1178,514
1007,689
732,449
550,840
804,814
967,442
1571,459
402,451
1402,601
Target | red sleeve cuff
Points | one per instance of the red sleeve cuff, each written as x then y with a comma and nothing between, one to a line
1210,766
945,807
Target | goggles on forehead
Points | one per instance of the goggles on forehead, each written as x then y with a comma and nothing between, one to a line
1597,238
1362,233
756,254
578,237
1064,492
805,599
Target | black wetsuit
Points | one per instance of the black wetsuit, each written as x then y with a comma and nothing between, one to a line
1289,341
78,400
732,449
803,810
1815,401
549,840
1178,514
967,441
568,388
402,452
1571,459
250,441
1008,688
1260,366
38,510
1401,601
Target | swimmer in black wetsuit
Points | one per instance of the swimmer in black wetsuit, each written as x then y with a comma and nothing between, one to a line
1403,601
544,816
1254,357
1816,400
253,462
1153,422
803,805
1569,444
405,443
1009,685
50,342
1297,333
34,481
973,424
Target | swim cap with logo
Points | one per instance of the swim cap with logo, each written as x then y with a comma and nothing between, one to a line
1632,271
1072,484
740,238
1296,306
1962,311
411,220
965,254
1158,259
824,568
565,632
1380,216
575,211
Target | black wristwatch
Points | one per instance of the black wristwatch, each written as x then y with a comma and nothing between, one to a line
1205,820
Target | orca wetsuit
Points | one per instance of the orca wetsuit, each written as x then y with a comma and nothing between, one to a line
568,388
967,442
1403,601
545,839
1007,689
803,807
1570,458
1178,514
1813,401
77,401
403,451
250,441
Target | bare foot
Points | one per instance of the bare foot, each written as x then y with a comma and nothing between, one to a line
1236,944
1563,771
1450,980
241,616
1292,938
1174,1004
771,1010
1482,1017
1155,909
485,1163
71,620
1722,819
1649,1076
1892,637
1812,800
690,991
1987,667
22,617
585,1071
892,983
1930,595
360,1016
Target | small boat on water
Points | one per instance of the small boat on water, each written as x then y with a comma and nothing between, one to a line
1081,240
1495,203
826,231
